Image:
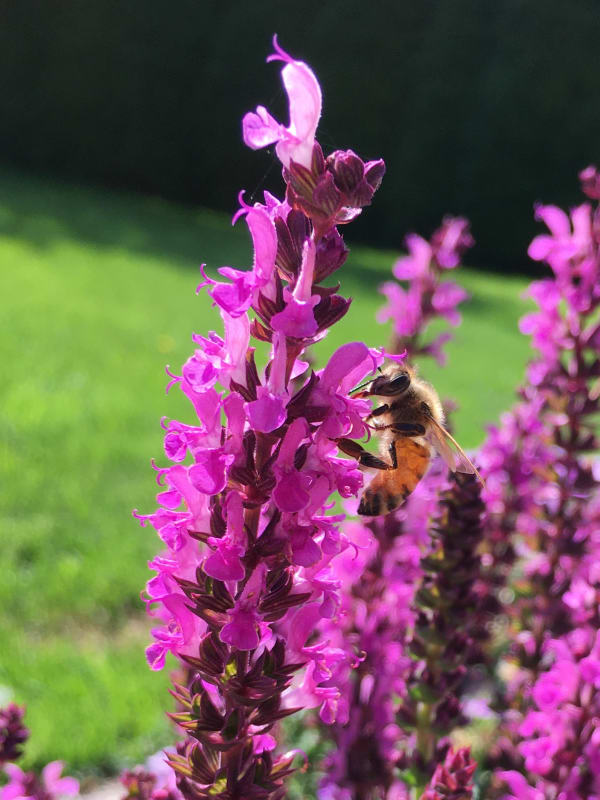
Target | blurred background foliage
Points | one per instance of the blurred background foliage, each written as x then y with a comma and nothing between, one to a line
478,108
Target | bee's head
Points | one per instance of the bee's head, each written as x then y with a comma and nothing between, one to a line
395,381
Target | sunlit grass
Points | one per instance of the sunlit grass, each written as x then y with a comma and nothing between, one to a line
97,295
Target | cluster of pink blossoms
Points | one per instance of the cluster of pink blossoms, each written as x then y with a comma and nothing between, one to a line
245,509
543,522
428,295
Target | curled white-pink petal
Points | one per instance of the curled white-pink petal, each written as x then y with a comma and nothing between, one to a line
304,94
260,129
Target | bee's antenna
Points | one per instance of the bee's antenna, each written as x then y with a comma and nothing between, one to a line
362,386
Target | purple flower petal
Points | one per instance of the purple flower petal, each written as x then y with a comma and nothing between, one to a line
297,318
242,631
224,564
260,129
291,493
305,551
264,240
267,412
155,656
208,474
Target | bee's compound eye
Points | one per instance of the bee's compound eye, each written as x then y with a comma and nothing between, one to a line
399,383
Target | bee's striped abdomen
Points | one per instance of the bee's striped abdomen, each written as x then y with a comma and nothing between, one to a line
390,488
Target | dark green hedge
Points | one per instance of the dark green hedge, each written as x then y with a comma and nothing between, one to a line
478,107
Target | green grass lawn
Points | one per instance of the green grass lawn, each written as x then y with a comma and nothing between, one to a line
97,296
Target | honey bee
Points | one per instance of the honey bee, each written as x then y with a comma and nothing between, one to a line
410,426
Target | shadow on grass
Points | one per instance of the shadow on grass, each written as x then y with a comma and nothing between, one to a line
43,211
46,211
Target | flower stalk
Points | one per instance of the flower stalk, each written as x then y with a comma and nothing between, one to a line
381,609
448,632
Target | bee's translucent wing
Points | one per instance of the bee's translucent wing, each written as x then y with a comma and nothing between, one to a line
456,459
443,448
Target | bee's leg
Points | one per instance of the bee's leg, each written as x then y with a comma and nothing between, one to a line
393,455
364,458
404,428
378,411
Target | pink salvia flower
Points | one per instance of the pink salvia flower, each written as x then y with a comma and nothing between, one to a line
245,505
